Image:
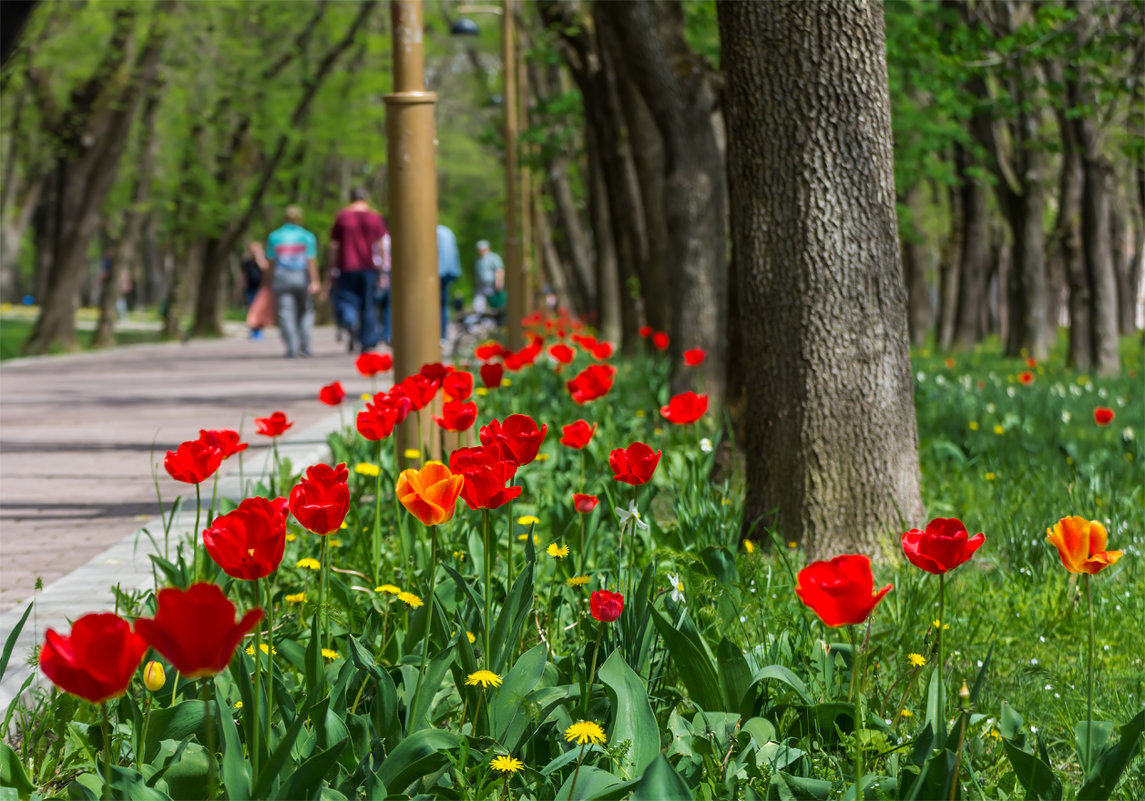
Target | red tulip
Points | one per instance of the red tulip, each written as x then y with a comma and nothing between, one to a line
456,415
332,394
634,464
645,331
195,629
370,363
272,426
562,353
97,660
377,420
584,503
1026,377
435,372
248,542
660,340
606,606
490,350
591,383
193,462
224,439
485,476
687,407
1103,416
321,500
943,546
458,385
518,437
586,342
419,389
602,351
841,591
577,434
695,357
491,374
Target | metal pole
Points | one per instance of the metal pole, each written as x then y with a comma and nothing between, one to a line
410,139
514,272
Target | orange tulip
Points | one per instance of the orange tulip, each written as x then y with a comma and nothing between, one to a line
430,494
1081,545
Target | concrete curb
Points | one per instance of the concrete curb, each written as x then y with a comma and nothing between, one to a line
127,564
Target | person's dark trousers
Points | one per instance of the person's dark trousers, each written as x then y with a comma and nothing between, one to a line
446,282
355,293
384,314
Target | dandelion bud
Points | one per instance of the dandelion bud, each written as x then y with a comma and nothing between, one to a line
154,677
964,696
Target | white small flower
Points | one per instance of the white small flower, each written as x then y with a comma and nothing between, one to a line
921,376
1049,686
1042,638
1034,661
1009,392
631,513
1127,435
1065,416
706,445
677,587
990,408
1034,729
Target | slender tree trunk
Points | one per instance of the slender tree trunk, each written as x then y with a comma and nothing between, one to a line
975,251
607,275
1122,256
572,244
948,272
831,443
914,270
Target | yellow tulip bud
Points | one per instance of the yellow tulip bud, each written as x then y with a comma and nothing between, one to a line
154,677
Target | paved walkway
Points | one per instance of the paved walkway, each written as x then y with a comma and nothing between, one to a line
79,435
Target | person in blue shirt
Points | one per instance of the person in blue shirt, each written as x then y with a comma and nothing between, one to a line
448,271
292,259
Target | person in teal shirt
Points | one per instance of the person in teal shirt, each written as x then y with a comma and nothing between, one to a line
293,264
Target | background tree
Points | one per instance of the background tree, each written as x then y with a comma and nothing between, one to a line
831,444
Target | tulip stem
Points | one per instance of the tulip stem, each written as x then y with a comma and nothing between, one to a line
428,610
256,694
106,750
274,467
488,548
941,723
856,667
1089,683
205,697
269,660
509,548
398,521
195,536
322,595
377,538
592,670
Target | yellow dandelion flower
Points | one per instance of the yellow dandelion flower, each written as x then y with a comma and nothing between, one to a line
412,453
577,581
329,653
310,563
973,425
906,713
296,598
999,430
335,543
506,764
505,382
793,545
486,678
291,536
238,704
994,734
748,546
388,588
990,476
367,469
523,537
639,413
481,392
266,649
410,599
657,431
585,731
366,396
471,638
460,555
916,660
528,520
542,457
935,623
557,551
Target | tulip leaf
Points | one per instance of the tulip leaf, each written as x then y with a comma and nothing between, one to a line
508,713
417,713
693,661
174,723
632,716
660,782
1032,771
591,782
514,613
418,755
12,773
1091,737
797,788
10,643
307,780
274,767
1113,759
236,774
734,673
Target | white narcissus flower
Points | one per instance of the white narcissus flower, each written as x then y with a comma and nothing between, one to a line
631,513
677,587
706,445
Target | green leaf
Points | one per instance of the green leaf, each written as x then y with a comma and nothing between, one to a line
514,613
591,782
1111,764
1091,737
508,715
796,788
1034,773
693,661
783,675
660,782
12,773
10,643
417,713
174,723
418,755
306,781
236,772
275,766
735,675
632,716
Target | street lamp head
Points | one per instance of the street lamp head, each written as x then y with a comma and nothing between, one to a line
464,27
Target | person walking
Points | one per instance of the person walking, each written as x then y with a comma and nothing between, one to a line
293,266
252,280
490,274
448,271
354,240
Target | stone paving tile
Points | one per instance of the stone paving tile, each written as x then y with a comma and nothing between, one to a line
79,434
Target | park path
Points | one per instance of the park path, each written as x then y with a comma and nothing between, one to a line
78,435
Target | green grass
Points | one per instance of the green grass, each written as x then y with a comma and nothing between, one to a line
14,333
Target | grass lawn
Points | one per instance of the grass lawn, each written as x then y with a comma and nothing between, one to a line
14,332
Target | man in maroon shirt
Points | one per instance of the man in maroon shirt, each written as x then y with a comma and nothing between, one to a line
355,244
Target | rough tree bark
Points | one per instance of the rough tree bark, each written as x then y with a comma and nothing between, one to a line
914,270
831,442
682,91
948,271
974,254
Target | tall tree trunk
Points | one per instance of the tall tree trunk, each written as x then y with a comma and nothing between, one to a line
831,442
1067,236
1122,256
1027,296
681,90
975,252
914,270
948,271
572,242
607,272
